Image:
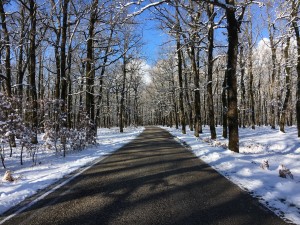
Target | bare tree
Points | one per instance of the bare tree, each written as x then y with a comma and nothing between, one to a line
210,62
287,84
179,66
233,26
90,70
7,50
295,17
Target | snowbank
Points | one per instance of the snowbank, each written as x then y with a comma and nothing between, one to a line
51,168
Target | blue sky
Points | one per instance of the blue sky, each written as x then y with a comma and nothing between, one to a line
153,38
152,41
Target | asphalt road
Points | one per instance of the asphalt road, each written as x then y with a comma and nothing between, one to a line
152,180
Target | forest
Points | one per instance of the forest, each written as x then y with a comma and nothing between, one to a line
69,67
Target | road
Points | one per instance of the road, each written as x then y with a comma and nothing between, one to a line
151,180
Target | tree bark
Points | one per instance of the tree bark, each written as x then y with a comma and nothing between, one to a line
224,108
250,69
57,31
273,56
287,84
243,89
176,119
232,114
57,62
70,96
64,84
210,101
179,66
7,50
90,70
21,70
122,100
295,8
32,67
188,97
197,110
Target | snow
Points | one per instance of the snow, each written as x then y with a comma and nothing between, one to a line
244,169
51,168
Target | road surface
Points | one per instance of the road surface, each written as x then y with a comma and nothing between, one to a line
151,180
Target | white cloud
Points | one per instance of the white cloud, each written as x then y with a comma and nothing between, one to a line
146,72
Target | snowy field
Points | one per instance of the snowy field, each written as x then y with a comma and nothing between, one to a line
244,169
51,168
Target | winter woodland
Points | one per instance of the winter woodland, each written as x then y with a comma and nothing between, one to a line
69,67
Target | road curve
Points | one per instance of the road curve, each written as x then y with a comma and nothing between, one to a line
151,180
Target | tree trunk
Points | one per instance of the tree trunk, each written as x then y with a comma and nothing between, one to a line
224,108
210,102
32,67
243,90
122,100
7,50
260,102
108,109
273,56
21,70
90,70
287,83
197,111
295,8
232,114
187,96
175,113
41,90
64,85
179,66
57,61
251,94
70,97
41,77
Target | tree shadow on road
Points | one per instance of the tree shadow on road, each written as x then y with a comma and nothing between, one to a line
152,180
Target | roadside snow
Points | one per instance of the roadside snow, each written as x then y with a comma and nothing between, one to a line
278,194
51,168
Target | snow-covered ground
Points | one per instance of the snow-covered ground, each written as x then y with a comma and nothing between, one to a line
279,194
51,168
